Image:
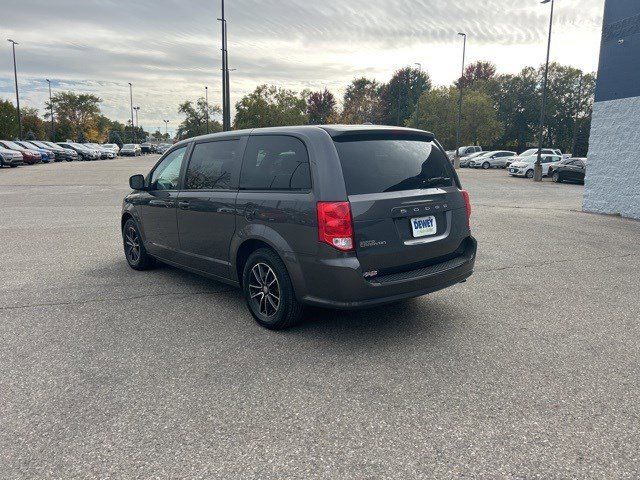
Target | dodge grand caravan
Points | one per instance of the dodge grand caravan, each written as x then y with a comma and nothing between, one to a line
334,216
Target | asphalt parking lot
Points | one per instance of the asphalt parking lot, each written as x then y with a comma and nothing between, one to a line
529,370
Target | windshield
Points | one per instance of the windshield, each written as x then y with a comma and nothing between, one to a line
529,152
381,164
128,145
10,144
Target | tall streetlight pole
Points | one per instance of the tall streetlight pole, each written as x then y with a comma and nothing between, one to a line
53,134
226,96
137,109
15,75
575,117
133,128
206,102
537,168
166,126
418,103
456,158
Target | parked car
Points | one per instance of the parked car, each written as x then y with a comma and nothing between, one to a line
47,155
131,150
146,148
532,151
70,154
29,156
58,154
525,165
289,233
10,158
112,147
84,153
104,152
465,151
464,162
163,147
494,159
572,171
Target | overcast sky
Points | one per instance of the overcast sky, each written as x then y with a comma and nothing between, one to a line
169,49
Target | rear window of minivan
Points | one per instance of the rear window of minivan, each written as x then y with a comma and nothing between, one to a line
386,164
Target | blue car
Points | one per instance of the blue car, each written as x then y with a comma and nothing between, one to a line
47,155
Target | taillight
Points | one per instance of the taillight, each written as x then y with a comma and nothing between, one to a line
467,204
334,225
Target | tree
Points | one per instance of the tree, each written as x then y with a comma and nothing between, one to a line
438,113
362,102
477,72
401,94
8,120
195,122
32,123
114,137
270,106
321,107
75,113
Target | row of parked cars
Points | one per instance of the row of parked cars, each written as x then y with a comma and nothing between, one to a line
21,152
555,165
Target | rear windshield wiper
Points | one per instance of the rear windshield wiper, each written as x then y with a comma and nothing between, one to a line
436,181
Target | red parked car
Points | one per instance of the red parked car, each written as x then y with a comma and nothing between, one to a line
29,157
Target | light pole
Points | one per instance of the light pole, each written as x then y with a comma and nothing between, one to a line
133,128
418,103
15,74
456,157
206,102
537,168
137,109
575,117
226,96
166,126
53,134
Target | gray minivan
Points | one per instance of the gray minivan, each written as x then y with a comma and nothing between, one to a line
334,216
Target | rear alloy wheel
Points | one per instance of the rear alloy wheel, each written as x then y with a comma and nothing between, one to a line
529,174
486,165
137,256
269,292
556,177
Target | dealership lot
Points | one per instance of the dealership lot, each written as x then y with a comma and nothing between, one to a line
530,369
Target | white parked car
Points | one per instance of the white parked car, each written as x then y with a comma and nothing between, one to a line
464,162
523,167
464,151
131,149
494,159
533,151
112,147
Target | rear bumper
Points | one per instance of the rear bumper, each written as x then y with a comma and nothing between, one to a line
339,282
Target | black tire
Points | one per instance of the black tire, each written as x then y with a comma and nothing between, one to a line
486,166
529,174
556,177
134,251
13,165
275,308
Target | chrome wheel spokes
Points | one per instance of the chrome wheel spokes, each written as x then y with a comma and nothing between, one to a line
264,289
132,245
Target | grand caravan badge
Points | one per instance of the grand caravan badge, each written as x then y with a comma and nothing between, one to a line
372,243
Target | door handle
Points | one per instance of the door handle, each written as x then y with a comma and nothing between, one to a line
183,205
159,203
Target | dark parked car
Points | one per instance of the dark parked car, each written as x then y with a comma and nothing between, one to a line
83,152
572,171
333,216
146,148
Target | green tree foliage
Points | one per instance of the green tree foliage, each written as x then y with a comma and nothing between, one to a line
75,114
321,107
400,96
363,102
32,123
115,137
195,122
8,120
270,106
438,113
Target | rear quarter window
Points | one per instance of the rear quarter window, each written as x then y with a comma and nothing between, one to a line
377,165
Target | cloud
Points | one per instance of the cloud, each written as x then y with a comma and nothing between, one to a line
169,49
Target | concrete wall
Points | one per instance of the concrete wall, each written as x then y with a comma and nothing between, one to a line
613,172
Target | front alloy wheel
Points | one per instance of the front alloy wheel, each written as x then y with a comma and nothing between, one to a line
136,254
486,165
556,177
529,174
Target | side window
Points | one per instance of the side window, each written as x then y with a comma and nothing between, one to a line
167,174
213,165
275,162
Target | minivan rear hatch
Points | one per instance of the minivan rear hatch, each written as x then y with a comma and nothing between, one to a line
407,208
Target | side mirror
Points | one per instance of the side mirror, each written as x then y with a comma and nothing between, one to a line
136,182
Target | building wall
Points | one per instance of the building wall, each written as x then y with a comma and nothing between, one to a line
612,184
